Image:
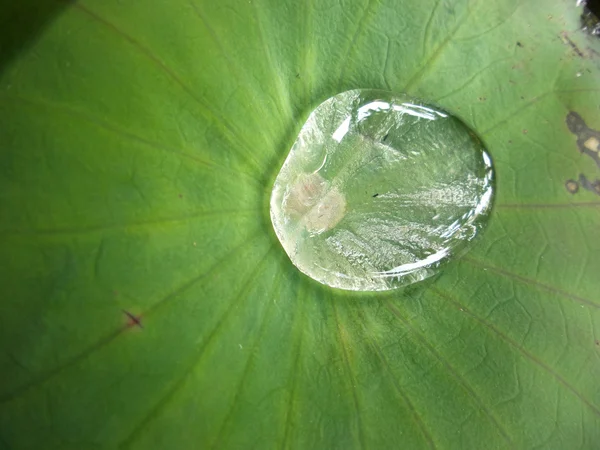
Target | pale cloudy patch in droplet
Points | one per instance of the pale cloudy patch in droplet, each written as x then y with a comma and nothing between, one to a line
314,204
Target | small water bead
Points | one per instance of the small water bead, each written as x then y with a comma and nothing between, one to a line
379,191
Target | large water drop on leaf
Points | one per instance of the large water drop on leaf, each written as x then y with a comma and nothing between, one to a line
379,190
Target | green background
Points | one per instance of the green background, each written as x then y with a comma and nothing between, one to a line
138,146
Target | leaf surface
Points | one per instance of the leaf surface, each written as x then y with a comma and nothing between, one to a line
146,302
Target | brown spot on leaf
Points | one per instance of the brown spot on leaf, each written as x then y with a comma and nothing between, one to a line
572,186
133,320
588,139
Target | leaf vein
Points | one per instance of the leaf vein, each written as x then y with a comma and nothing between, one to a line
435,55
534,206
361,438
248,365
128,226
293,377
369,11
518,347
281,91
110,337
232,134
105,125
530,282
179,383
416,416
454,373
472,78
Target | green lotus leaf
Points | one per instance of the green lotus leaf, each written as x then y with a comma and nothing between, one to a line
146,301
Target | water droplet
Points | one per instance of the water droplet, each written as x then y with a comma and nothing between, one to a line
589,17
379,191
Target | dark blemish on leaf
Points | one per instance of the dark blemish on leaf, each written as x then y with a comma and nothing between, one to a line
180,195
575,122
297,75
519,44
564,37
385,137
589,185
588,139
585,183
133,320
522,98
572,186
375,195
597,342
510,142
482,99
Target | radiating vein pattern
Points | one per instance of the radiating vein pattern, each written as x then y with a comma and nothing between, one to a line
146,302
